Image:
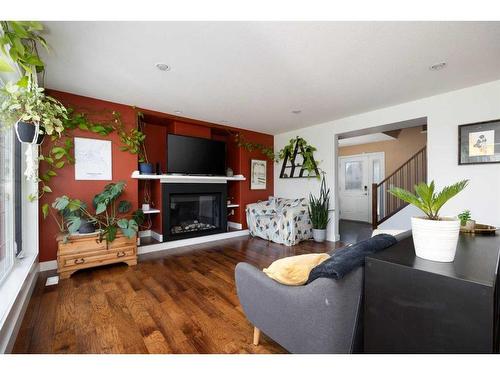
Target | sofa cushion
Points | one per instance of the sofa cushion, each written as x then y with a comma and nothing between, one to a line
348,258
294,270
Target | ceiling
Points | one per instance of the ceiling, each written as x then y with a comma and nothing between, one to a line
363,139
253,74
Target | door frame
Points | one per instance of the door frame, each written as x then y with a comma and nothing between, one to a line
371,155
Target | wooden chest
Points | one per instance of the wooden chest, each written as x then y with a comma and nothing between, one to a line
85,251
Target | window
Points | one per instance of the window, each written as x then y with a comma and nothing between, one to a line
7,247
353,175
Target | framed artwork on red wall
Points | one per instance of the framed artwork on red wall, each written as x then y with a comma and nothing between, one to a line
258,174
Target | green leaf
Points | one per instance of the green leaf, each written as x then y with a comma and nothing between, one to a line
59,164
101,207
5,66
124,206
47,189
61,203
74,223
122,223
45,210
111,233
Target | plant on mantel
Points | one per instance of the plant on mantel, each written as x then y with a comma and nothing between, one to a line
24,101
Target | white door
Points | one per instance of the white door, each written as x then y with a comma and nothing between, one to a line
356,175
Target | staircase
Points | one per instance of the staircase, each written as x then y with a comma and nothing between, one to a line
411,173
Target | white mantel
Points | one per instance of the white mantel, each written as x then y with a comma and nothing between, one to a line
167,178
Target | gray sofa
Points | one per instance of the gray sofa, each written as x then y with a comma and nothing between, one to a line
324,316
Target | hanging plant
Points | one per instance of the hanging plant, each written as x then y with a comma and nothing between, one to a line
305,150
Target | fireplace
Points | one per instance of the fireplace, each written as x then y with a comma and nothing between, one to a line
193,210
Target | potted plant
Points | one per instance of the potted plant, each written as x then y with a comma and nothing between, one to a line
318,212
466,220
435,237
111,215
33,113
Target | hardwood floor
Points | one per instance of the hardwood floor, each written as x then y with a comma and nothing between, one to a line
169,303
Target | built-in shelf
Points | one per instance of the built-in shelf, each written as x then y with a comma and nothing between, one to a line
152,211
166,178
232,205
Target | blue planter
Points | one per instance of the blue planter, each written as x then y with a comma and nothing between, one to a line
146,168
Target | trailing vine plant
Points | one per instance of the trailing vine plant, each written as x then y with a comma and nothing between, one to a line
19,41
251,146
305,150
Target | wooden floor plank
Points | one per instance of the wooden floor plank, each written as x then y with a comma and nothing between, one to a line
184,302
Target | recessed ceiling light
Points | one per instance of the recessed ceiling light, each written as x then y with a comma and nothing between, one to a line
296,111
438,66
163,67
178,112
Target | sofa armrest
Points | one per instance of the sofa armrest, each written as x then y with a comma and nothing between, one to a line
261,208
320,317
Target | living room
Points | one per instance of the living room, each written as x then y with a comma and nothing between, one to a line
208,197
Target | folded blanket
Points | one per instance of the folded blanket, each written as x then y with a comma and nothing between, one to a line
348,258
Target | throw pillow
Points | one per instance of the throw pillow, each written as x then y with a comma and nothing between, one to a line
294,270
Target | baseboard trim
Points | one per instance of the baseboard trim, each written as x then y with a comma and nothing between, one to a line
190,241
234,225
151,233
48,266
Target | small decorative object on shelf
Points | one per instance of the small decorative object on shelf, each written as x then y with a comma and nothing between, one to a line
318,212
229,172
435,238
466,221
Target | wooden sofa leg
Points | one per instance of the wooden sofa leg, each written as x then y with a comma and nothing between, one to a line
256,336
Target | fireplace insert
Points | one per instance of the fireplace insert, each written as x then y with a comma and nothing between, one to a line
192,210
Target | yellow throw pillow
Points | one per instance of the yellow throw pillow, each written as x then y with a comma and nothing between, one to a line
294,270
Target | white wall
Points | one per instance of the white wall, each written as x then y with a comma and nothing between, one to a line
444,113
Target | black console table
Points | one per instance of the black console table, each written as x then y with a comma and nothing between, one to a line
413,305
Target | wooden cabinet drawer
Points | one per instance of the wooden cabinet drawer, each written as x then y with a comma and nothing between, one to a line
94,258
79,244
121,241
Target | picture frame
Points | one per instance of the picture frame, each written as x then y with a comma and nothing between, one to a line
258,174
479,143
93,159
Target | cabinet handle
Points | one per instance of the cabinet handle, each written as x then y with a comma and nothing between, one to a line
79,261
120,254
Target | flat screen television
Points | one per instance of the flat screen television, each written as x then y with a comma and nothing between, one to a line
196,156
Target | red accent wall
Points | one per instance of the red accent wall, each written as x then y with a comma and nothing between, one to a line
158,125
65,184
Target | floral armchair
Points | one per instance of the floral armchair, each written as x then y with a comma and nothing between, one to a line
284,221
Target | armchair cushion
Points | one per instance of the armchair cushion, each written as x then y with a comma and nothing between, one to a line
294,270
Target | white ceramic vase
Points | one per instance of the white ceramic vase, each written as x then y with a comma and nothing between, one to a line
435,239
319,235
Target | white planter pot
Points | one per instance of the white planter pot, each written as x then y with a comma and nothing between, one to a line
319,235
435,239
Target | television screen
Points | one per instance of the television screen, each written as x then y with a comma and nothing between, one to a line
198,156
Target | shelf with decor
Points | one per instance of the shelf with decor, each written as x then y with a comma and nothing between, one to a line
165,178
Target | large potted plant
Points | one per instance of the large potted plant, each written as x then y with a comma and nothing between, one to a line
111,215
318,212
434,237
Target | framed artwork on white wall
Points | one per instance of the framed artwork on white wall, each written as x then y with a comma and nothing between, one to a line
93,159
258,174
479,143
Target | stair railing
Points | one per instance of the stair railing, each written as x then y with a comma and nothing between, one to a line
409,174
